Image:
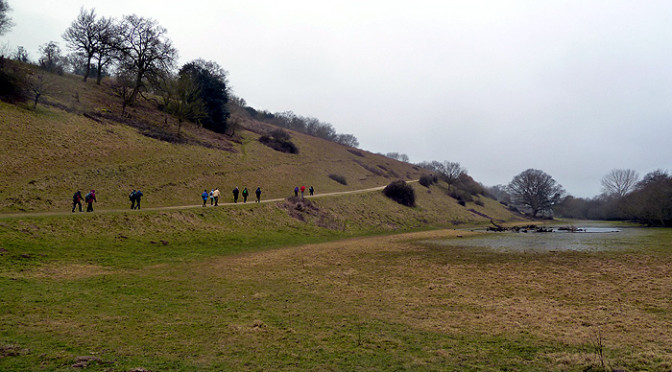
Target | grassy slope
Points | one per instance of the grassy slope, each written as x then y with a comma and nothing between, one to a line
48,153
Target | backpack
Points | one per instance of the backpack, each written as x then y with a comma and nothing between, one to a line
75,197
131,196
87,198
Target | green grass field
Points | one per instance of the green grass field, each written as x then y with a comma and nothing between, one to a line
226,289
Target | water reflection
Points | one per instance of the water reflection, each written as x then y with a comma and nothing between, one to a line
588,239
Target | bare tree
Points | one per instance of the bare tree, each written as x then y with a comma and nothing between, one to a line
144,50
397,156
452,171
619,182
41,85
535,190
5,22
82,37
107,47
448,171
51,59
351,140
21,54
122,86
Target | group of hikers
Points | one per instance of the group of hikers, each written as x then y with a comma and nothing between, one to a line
136,195
90,198
214,194
311,190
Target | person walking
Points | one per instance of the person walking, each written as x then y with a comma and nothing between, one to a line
215,194
77,200
245,193
296,191
212,198
90,199
258,193
138,196
204,195
131,196
303,189
311,190
235,194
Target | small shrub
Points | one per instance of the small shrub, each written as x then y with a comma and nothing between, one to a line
428,179
459,194
356,152
401,192
338,178
279,144
13,81
280,135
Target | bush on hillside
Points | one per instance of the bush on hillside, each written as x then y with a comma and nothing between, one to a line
12,81
279,140
459,194
356,152
338,178
401,192
428,179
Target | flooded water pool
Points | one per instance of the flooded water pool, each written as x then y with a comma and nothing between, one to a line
584,239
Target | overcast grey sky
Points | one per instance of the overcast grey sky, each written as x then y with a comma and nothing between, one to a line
574,88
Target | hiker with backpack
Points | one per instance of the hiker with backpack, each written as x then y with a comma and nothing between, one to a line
245,193
258,193
204,195
303,189
77,200
138,196
311,190
212,196
131,196
296,191
90,198
235,195
215,195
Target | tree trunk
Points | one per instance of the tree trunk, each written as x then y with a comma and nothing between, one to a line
136,88
88,68
99,75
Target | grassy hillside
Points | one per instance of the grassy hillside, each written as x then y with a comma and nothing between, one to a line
79,140
83,143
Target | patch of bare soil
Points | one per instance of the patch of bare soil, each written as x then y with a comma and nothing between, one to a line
304,210
12,350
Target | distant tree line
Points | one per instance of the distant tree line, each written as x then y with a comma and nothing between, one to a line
309,125
397,156
624,197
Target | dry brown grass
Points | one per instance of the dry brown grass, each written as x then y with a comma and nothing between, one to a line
559,298
66,272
